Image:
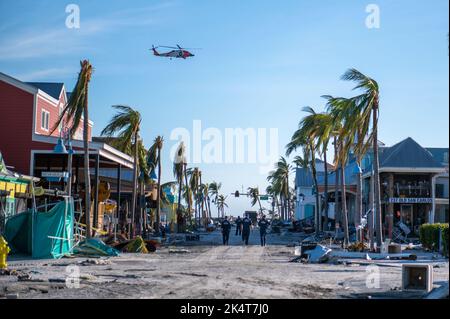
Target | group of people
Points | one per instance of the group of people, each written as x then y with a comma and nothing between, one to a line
243,228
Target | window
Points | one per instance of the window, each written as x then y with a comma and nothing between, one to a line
45,116
440,190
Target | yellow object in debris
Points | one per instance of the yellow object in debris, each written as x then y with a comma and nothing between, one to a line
4,251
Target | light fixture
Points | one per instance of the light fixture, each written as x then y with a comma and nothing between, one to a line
60,148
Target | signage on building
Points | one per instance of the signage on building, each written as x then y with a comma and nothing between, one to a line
54,176
405,200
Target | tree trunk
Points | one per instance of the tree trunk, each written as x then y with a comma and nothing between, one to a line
326,191
288,199
134,193
344,206
337,206
179,213
378,215
188,191
87,176
158,196
358,214
317,210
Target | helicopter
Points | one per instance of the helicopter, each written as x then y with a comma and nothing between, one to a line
178,52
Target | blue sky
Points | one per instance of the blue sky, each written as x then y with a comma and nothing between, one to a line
261,61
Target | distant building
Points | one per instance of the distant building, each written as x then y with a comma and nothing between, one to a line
414,186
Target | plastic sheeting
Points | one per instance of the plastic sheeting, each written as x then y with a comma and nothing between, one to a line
50,235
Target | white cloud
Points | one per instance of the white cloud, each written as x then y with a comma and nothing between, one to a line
35,42
46,74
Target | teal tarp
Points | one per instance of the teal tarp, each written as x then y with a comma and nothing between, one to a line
50,236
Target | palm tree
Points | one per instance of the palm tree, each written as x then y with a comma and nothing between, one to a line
221,204
72,114
154,160
194,184
125,126
280,181
178,172
368,105
306,137
254,196
339,109
214,189
207,199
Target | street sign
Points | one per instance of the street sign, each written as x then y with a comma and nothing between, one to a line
264,197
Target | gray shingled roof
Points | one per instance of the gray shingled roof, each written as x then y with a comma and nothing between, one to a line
52,89
407,153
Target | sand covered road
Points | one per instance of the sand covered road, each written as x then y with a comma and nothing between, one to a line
206,271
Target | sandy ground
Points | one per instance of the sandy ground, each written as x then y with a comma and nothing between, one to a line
210,270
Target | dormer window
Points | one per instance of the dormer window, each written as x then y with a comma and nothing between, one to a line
45,119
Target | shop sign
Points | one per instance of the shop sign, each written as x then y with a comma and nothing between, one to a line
405,200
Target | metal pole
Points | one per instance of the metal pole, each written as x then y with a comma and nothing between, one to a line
97,166
119,173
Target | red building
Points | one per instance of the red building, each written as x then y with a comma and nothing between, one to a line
29,110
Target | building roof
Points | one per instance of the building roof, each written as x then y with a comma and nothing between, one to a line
407,153
52,89
440,154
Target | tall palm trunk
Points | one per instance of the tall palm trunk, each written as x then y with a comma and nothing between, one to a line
209,207
344,206
158,196
358,214
134,194
188,192
87,177
326,190
337,206
180,186
376,167
288,199
317,210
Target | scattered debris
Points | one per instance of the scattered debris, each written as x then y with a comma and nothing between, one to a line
319,254
358,246
178,251
89,262
95,247
136,246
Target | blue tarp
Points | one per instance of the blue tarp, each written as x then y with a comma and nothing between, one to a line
49,236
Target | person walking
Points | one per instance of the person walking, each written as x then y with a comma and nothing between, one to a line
246,225
238,226
263,225
226,227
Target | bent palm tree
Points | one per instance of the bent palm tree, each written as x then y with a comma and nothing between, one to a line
306,137
178,169
368,105
254,196
221,204
73,113
214,189
154,160
125,126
